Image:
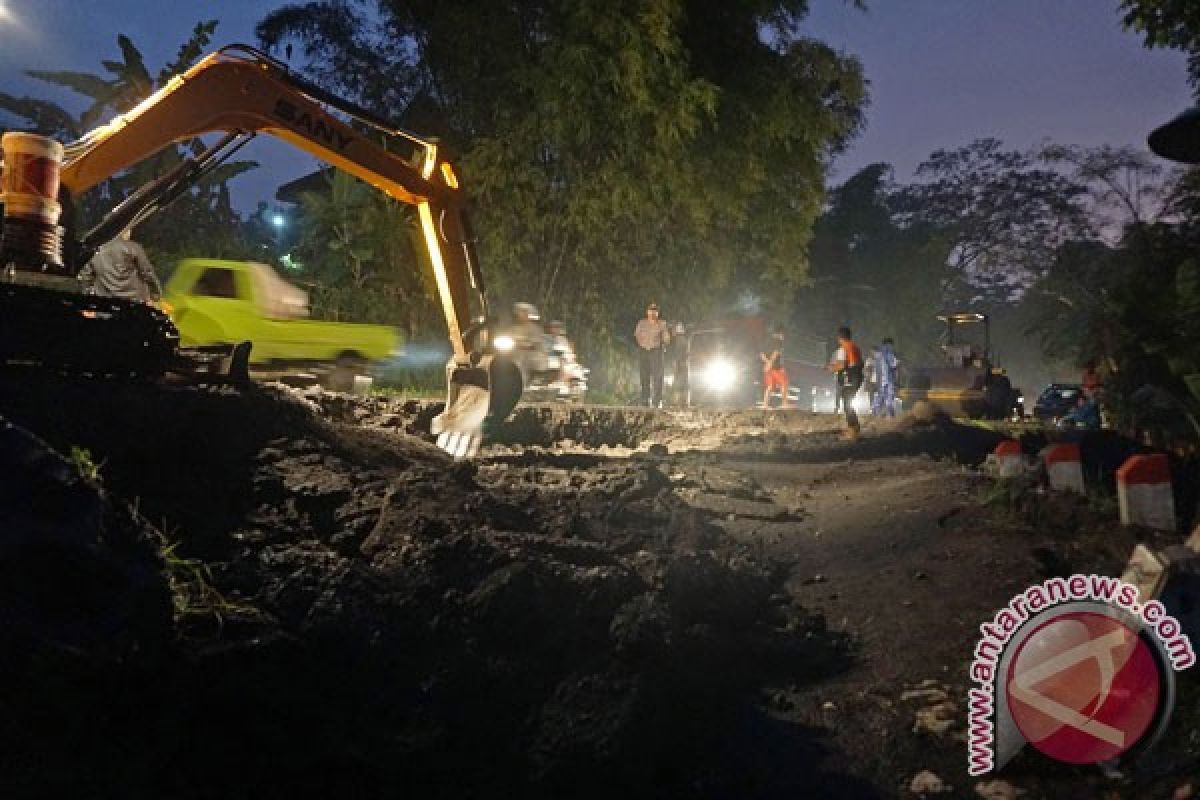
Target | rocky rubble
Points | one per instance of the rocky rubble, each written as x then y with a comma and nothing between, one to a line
936,712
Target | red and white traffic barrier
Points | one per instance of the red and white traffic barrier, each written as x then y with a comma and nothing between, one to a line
1008,458
1064,467
1144,492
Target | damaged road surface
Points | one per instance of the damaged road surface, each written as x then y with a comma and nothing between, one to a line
303,607
211,593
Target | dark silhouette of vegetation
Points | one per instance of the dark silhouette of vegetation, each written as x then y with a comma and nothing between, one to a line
615,155
1173,24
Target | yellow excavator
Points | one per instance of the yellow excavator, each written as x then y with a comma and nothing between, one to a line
239,92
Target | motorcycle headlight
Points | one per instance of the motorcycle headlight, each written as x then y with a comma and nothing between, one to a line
720,375
503,343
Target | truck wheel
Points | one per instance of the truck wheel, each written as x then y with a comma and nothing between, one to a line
345,369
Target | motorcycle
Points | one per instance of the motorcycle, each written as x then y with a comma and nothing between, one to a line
550,370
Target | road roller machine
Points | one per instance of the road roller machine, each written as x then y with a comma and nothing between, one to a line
968,383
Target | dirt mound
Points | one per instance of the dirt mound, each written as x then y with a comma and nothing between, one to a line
383,621
587,427
77,572
939,438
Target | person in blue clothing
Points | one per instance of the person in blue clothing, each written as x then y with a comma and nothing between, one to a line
886,366
1086,415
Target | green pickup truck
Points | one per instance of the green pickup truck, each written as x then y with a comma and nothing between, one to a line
225,302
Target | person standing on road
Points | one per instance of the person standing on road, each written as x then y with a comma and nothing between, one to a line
886,367
774,375
652,337
1085,416
1093,384
847,364
120,268
1093,389
870,378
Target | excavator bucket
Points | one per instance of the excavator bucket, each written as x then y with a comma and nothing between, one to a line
476,396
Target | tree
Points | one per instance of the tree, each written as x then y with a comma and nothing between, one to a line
1121,190
870,272
357,251
1127,295
1001,214
1173,24
613,155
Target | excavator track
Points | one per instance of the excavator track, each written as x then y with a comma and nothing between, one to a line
102,337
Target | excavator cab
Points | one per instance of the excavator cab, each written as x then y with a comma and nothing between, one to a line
239,92
962,350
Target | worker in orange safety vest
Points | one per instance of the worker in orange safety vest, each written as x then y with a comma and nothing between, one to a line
847,364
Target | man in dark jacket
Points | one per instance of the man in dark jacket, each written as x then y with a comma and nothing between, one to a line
120,268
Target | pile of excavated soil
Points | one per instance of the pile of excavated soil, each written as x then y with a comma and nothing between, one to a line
565,426
790,436
357,615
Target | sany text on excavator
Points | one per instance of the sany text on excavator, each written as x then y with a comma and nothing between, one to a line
238,91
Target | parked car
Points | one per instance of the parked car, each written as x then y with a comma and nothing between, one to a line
1056,401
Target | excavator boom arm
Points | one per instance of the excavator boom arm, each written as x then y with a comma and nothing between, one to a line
234,93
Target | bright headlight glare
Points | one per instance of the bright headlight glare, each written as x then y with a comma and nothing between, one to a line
503,343
720,375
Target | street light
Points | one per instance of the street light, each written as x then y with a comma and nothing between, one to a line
278,220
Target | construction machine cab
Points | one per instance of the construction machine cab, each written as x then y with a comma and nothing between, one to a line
961,350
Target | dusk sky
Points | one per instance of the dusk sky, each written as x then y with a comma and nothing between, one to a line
942,72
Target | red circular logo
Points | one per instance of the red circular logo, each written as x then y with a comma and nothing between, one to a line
1083,688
